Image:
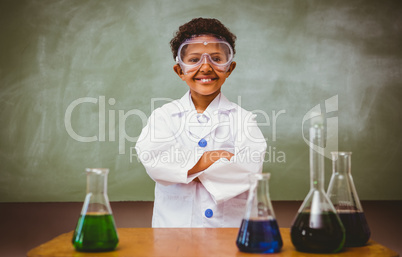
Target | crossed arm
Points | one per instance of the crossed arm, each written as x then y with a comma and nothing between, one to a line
207,159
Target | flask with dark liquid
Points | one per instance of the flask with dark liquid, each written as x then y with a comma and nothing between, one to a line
96,229
342,192
317,227
259,231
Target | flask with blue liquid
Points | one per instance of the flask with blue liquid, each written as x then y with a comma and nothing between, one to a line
259,230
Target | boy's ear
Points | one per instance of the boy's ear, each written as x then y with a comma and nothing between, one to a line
231,68
178,71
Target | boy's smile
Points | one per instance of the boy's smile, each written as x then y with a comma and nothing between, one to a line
205,83
205,79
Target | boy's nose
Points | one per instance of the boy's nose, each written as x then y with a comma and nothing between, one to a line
205,66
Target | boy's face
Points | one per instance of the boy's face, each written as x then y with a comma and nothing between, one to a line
206,80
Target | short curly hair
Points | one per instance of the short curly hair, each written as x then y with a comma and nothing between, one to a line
199,26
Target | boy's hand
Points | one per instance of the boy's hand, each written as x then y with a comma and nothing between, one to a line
218,154
208,158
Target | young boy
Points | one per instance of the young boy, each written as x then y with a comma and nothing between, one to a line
200,149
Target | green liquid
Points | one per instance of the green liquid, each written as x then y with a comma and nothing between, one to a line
95,233
326,236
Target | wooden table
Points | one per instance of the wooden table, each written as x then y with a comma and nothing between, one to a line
176,242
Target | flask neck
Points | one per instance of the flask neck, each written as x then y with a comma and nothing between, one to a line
341,162
97,181
341,188
259,204
316,158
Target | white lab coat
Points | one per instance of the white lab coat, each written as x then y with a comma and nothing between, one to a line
168,147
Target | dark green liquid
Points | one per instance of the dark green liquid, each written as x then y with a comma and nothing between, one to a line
356,227
95,233
319,233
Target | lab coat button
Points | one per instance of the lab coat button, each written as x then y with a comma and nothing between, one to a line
202,142
209,213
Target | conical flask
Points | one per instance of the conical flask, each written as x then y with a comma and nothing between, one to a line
96,229
259,231
317,227
342,193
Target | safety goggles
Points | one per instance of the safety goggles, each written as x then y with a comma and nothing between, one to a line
194,52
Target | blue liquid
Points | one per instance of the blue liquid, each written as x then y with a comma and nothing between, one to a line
259,236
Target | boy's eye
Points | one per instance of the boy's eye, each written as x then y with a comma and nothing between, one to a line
194,60
219,58
216,59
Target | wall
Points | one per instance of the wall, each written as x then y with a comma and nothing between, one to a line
78,79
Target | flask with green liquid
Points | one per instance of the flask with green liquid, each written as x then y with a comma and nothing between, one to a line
96,229
317,227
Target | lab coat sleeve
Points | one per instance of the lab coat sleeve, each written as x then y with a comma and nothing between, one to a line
226,179
165,160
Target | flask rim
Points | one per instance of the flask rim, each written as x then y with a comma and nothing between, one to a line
99,171
341,153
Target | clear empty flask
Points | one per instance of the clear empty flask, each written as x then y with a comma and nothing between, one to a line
96,230
317,227
259,231
342,192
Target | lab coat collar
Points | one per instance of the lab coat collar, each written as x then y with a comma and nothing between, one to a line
220,104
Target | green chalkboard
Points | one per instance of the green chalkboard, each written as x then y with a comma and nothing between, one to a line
79,78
